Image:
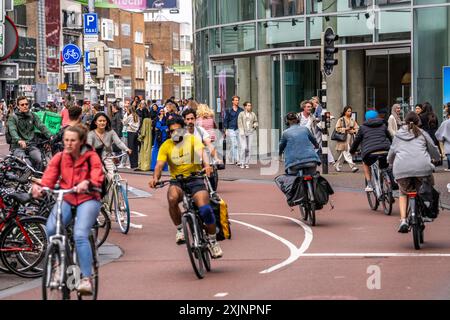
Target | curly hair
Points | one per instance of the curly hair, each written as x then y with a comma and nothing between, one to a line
204,111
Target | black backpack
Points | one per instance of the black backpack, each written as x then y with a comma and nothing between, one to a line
428,200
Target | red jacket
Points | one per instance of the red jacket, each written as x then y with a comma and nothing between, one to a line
87,167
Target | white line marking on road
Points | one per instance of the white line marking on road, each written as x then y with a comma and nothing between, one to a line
136,226
295,252
138,214
374,255
221,294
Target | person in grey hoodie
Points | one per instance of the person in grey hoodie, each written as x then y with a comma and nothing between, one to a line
411,154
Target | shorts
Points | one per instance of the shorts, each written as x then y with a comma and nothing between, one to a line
192,187
413,184
371,158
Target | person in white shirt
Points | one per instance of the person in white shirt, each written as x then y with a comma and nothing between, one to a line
247,124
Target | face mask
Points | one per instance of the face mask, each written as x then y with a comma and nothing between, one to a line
178,134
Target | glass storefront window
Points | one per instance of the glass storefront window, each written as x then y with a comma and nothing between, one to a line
238,38
324,6
431,1
281,33
394,25
280,8
236,10
205,13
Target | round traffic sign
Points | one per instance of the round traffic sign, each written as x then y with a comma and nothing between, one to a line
11,37
71,54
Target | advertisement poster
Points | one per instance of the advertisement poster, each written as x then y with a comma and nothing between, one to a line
446,85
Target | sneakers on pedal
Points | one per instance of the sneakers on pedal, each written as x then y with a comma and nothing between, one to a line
215,249
179,237
404,227
85,286
369,187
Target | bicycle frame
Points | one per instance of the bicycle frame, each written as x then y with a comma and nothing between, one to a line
376,179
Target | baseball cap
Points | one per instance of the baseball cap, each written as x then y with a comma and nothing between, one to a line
371,114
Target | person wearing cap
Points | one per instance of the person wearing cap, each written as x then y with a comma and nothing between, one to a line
375,141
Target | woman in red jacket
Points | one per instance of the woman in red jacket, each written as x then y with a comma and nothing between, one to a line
82,169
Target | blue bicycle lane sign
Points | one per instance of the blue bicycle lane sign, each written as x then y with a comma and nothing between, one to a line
71,54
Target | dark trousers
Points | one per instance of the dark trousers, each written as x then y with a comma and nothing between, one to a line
133,144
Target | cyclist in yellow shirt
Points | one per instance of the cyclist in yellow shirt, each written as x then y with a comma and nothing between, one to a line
184,154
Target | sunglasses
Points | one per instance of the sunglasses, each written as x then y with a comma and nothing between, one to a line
24,104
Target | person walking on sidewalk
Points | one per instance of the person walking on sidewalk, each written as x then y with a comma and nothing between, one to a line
409,143
232,130
443,135
131,120
247,124
395,120
347,125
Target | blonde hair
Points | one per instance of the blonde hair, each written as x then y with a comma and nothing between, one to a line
204,111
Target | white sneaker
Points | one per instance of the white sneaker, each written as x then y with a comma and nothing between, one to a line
120,166
247,166
368,188
179,237
448,170
216,251
85,286
242,166
355,169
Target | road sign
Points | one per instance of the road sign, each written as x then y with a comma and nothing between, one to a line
2,39
71,54
9,71
62,86
2,11
9,38
90,23
72,68
87,65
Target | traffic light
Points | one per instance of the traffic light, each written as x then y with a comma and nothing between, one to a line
328,51
93,63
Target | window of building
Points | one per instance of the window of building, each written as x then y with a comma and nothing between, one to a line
127,87
154,77
175,41
237,10
126,56
159,77
52,52
139,68
20,15
138,37
115,58
107,30
109,89
126,29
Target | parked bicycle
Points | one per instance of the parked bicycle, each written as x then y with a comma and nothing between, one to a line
382,189
116,199
61,274
23,240
193,226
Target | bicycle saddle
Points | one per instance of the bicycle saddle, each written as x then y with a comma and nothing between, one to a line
22,198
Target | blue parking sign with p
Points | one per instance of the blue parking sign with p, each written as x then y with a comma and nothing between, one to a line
90,23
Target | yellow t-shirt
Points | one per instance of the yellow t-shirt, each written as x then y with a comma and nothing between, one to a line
180,158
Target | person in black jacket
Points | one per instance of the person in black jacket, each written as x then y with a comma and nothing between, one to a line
375,142
430,124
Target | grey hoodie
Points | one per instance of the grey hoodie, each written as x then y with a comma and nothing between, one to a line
411,156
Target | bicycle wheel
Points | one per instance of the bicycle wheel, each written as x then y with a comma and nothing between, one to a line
95,265
194,252
53,280
387,198
122,208
372,199
206,256
23,248
416,236
312,214
303,212
102,227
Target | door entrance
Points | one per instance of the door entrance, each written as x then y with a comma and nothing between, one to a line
296,77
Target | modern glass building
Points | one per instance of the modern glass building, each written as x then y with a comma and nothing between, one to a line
267,52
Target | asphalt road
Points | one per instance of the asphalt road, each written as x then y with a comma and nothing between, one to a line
353,252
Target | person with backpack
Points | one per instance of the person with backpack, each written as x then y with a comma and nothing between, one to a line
22,129
411,142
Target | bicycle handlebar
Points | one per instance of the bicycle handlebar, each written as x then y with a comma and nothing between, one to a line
66,191
116,157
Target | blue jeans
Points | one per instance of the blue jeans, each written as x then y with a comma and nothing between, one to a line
234,148
87,213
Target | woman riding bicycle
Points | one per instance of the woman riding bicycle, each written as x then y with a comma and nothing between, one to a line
375,141
412,143
82,170
101,138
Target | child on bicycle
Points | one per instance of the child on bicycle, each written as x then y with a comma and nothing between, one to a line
411,154
82,169
375,142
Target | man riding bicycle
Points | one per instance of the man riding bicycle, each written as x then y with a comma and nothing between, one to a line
22,127
190,116
82,170
375,141
184,153
298,145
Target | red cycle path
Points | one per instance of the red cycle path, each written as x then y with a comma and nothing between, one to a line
154,267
